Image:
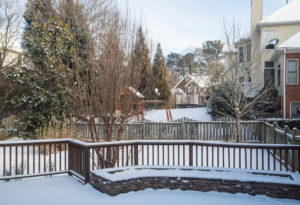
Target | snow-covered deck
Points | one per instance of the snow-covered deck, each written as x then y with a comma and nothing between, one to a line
67,190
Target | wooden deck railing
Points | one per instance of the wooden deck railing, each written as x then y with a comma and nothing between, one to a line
23,159
47,157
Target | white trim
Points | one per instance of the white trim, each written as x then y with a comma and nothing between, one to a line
294,59
291,107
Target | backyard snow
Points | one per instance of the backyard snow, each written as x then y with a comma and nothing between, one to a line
198,114
67,190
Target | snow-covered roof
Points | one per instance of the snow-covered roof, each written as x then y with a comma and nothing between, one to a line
177,90
201,80
289,14
293,42
137,93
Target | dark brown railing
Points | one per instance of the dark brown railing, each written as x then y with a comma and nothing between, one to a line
43,157
36,158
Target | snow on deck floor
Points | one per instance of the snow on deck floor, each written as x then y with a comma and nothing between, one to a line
199,114
67,190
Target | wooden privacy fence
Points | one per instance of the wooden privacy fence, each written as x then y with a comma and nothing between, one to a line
206,131
47,157
274,134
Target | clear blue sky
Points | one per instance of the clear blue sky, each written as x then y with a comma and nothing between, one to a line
180,24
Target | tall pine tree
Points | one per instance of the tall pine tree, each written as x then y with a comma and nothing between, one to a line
46,41
142,68
160,75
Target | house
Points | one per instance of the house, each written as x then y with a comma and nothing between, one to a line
239,56
191,90
267,32
286,59
275,48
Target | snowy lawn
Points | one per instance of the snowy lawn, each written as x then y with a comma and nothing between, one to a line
198,114
67,190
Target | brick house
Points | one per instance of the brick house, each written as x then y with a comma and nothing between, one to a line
286,59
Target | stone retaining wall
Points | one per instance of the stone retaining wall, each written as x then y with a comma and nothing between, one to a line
275,190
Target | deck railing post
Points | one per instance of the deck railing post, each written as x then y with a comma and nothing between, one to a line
191,155
136,154
70,158
86,164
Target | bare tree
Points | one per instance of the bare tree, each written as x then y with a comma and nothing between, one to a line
97,91
10,20
234,98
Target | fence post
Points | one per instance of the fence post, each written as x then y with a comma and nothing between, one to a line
191,155
274,132
262,132
86,164
144,130
183,126
136,154
294,130
226,131
285,133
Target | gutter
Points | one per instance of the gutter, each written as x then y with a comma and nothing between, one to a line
278,23
284,83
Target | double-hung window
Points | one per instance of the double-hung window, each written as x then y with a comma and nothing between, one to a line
292,72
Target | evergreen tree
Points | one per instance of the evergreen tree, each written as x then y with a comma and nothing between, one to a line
142,66
72,13
160,75
46,41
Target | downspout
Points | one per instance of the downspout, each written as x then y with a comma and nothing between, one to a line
284,83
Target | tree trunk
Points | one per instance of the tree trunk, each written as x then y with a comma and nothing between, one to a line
238,127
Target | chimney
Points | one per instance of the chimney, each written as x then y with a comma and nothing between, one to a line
256,13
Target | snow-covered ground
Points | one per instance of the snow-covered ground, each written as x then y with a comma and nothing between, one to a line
67,190
198,114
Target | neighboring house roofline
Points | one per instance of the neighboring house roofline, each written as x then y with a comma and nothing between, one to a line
228,68
180,81
286,15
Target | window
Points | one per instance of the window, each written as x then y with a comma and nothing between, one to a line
292,72
241,54
241,79
269,76
268,36
269,64
249,75
249,53
295,110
